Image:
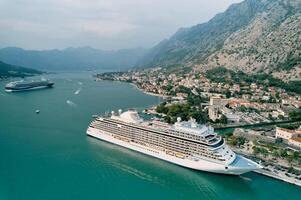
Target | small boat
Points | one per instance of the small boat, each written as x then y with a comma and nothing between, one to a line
37,111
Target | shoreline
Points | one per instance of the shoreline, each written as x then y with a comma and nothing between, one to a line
263,172
150,93
140,89
270,174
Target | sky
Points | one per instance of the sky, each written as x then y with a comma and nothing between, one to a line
102,24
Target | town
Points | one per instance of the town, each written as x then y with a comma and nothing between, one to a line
263,113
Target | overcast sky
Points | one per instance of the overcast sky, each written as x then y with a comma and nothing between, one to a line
103,24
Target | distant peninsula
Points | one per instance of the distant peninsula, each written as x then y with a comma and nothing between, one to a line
7,70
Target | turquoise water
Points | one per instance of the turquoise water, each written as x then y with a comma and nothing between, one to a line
48,156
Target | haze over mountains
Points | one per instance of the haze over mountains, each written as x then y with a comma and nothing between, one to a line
254,36
72,58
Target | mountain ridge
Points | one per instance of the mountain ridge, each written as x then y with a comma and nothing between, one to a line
7,70
251,31
72,58
187,42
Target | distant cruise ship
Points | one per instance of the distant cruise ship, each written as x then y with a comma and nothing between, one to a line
26,85
185,143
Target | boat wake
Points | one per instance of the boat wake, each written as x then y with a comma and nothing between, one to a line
70,103
245,178
77,91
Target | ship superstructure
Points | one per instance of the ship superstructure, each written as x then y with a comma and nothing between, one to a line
185,143
27,85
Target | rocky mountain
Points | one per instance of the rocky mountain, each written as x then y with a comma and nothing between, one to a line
252,36
7,70
72,58
271,43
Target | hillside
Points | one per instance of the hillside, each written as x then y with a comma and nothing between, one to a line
271,43
7,70
252,36
72,58
198,42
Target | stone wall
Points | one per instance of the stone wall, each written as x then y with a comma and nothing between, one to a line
253,135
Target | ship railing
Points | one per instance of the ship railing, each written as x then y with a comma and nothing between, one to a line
166,132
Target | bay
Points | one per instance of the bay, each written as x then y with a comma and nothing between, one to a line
48,155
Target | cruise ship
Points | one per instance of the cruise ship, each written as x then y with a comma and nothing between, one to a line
185,143
26,85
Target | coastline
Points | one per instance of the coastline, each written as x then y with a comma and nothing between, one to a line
276,174
272,172
150,93
283,178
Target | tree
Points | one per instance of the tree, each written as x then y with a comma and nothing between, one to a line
276,154
161,108
228,94
283,153
295,115
223,120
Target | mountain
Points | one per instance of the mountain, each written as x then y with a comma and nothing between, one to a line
7,70
271,43
72,58
251,36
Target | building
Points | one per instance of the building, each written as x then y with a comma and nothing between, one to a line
232,117
284,133
295,142
253,86
291,137
236,88
216,101
213,113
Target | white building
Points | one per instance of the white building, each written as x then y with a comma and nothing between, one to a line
292,137
232,117
213,113
215,101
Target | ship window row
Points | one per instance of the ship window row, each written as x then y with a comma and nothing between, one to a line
131,128
152,138
113,122
187,135
171,143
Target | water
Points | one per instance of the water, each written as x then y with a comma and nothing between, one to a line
48,156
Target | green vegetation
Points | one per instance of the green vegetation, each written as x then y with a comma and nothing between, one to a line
185,111
277,151
260,150
188,110
293,171
248,109
295,115
222,120
109,75
183,89
7,70
223,75
291,126
237,141
291,62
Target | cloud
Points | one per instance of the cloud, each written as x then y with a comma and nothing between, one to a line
106,24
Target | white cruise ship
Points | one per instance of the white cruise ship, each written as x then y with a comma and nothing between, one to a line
185,143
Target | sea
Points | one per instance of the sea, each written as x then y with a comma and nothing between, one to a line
48,156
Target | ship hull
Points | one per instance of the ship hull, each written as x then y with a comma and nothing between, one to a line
201,165
13,89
